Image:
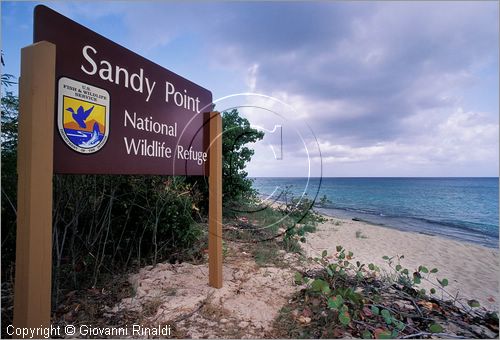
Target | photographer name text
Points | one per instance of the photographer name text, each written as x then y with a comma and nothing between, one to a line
88,330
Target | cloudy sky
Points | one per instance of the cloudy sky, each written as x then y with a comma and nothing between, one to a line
379,88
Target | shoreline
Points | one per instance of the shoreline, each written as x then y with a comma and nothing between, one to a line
423,226
405,224
471,269
459,208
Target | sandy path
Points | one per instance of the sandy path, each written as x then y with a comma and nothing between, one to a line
245,307
471,269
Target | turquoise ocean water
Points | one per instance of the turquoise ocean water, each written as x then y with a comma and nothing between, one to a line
464,209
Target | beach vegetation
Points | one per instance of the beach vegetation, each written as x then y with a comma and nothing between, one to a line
267,253
347,298
237,134
413,279
301,218
290,219
323,202
282,227
237,190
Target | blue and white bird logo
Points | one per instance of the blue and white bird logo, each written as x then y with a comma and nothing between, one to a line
83,124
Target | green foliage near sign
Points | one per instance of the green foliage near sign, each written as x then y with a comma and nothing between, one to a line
236,186
237,133
10,107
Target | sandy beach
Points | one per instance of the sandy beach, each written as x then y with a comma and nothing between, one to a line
471,270
253,295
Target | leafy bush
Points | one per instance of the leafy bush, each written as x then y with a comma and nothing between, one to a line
237,188
347,298
256,222
236,134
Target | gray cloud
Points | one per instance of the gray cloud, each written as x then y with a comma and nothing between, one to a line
381,59
387,74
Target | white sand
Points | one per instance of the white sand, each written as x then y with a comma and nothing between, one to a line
471,269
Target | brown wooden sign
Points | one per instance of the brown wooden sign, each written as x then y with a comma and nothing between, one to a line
117,112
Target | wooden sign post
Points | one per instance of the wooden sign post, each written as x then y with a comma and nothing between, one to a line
84,98
33,285
34,189
215,202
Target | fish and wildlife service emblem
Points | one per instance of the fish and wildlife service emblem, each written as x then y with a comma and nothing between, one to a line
82,115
